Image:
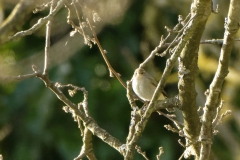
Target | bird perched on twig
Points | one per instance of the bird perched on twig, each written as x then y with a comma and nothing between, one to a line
144,85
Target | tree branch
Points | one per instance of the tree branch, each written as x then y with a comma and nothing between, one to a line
40,22
212,101
87,120
8,78
187,73
16,19
47,42
110,68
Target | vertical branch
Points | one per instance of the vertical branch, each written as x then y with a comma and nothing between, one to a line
212,102
47,42
187,73
47,47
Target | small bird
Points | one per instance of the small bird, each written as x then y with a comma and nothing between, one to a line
144,85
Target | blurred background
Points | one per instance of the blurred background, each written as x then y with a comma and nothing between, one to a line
33,125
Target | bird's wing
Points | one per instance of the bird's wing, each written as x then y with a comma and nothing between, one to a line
152,80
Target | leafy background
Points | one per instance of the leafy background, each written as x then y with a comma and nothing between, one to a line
33,125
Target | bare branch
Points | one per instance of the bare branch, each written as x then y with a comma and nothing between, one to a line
215,41
87,148
40,22
16,19
111,70
141,152
177,123
130,96
211,104
8,78
87,120
168,103
162,46
188,70
160,153
42,7
47,43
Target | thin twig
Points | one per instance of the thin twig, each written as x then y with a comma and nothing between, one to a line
162,45
40,22
138,148
88,121
7,78
179,35
216,41
111,70
175,121
130,96
42,7
47,42
160,153
80,23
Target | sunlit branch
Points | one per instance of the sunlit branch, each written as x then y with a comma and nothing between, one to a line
47,42
231,28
